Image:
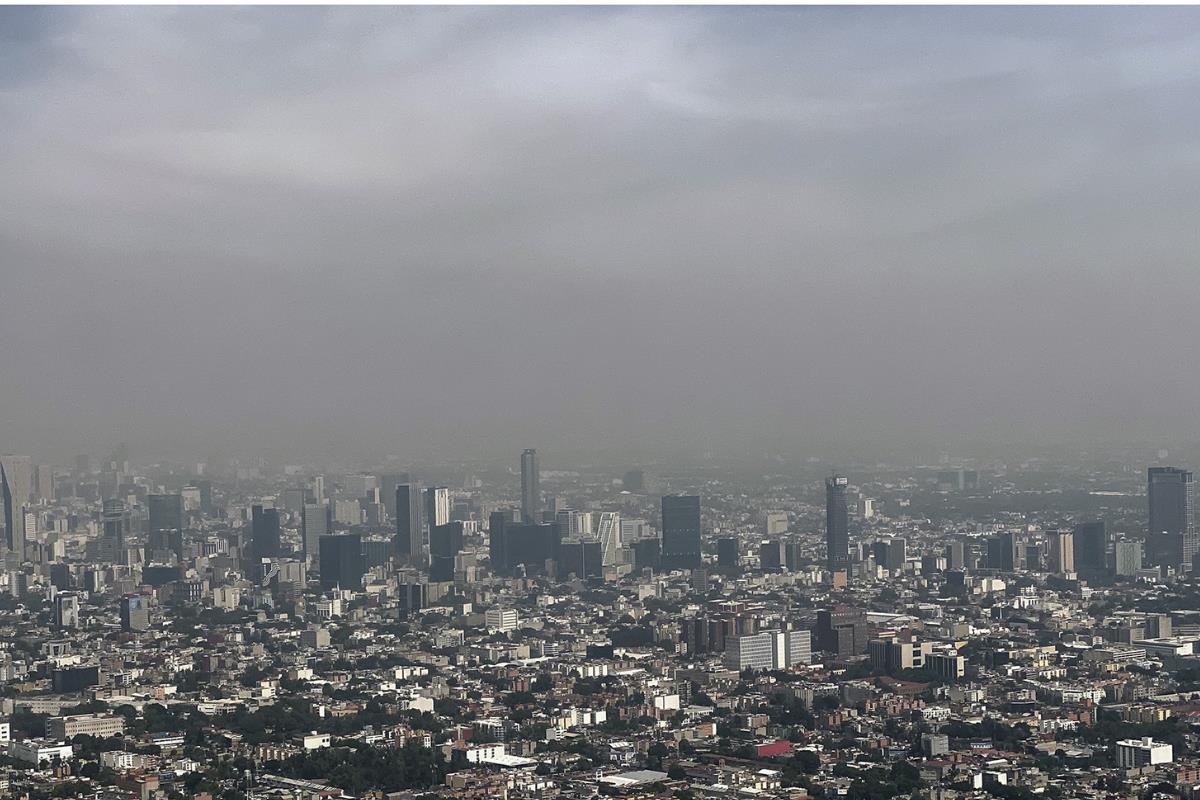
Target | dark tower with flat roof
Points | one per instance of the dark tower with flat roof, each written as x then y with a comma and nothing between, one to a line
681,531
264,531
837,524
14,540
408,523
1171,534
531,487
341,561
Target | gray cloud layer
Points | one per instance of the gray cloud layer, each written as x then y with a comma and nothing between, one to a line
310,229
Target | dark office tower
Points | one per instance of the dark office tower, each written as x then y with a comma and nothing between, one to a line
60,576
1002,552
771,557
955,555
407,504
498,521
681,531
1171,535
528,546
316,521
264,529
14,537
341,561
165,526
206,497
842,631
890,554
1091,546
647,552
531,487
445,543
634,481
837,524
581,559
115,520
791,556
412,598
727,553
387,490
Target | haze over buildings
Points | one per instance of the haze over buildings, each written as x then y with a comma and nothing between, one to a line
680,219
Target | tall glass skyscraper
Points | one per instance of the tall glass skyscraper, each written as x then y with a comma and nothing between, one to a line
681,531
837,523
165,520
1171,533
531,488
409,540
14,540
1091,545
115,519
265,537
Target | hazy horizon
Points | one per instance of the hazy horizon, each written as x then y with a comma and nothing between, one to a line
471,230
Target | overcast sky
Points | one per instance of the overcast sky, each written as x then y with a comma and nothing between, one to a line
401,230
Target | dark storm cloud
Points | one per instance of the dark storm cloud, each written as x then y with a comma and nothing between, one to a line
311,230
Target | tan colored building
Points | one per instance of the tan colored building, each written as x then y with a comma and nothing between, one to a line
99,725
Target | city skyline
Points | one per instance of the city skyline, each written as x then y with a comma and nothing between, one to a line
577,402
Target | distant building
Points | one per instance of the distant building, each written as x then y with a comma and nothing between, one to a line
387,490
608,532
114,518
135,613
1171,533
775,523
1061,551
837,524
1002,552
100,726
768,650
842,631
264,532
1127,558
437,506
37,751
406,502
445,543
681,531
584,559
771,555
66,611
1091,546
165,522
74,679
341,561
21,475
647,552
531,487
525,546
727,553
890,553
316,521
935,744
893,655
1145,752
946,665
501,620
955,555
13,540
